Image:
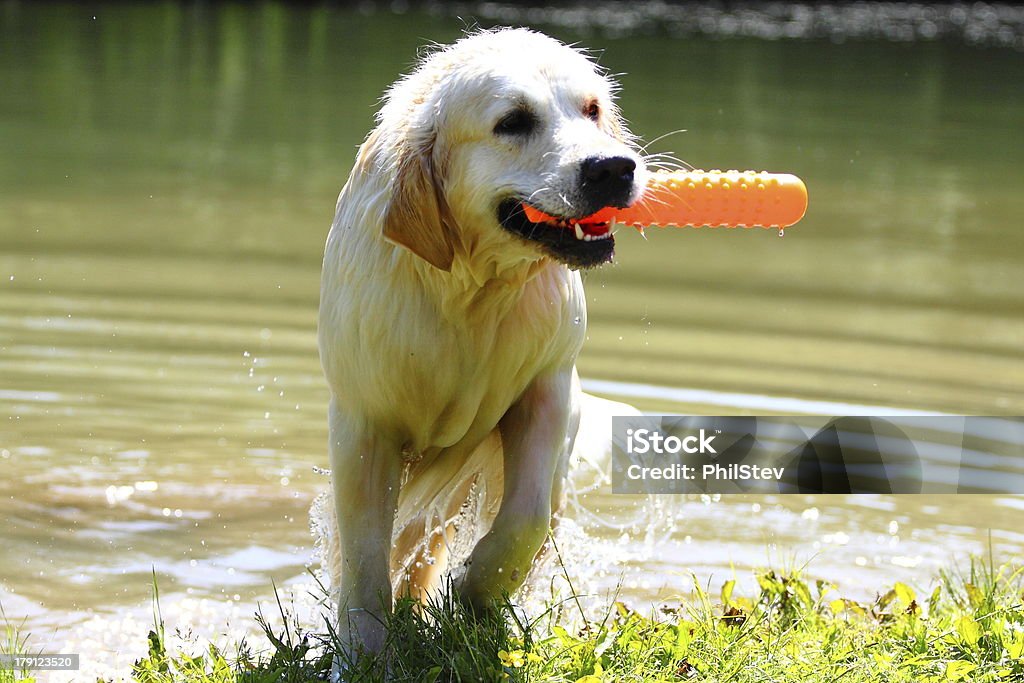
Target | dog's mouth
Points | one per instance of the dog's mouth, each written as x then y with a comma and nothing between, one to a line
578,242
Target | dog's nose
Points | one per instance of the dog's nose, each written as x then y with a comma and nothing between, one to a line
610,178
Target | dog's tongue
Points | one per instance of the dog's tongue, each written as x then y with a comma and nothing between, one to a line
595,223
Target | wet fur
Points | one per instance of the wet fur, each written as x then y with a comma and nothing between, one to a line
449,343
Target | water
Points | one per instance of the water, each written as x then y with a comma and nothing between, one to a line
167,177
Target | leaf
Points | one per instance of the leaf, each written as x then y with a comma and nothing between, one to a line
745,604
883,659
606,642
933,601
563,636
769,584
969,630
974,595
1015,647
590,678
884,600
802,593
727,592
904,594
683,639
837,606
958,669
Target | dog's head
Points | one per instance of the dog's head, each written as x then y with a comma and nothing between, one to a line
496,120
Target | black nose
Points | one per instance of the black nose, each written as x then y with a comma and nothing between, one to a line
608,178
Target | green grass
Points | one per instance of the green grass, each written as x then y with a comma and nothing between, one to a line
970,628
12,643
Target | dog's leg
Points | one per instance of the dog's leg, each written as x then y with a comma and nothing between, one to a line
533,434
366,474
429,565
562,472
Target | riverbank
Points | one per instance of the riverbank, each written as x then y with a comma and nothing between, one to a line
969,628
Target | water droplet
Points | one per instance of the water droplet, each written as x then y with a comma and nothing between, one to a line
782,232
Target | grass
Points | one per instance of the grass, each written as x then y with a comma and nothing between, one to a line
970,628
12,643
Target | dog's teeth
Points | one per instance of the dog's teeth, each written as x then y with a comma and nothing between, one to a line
579,232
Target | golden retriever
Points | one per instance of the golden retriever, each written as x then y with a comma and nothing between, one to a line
450,323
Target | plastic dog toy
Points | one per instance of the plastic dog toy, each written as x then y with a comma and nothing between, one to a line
728,199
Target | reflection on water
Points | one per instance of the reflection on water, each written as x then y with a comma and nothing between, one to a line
167,177
980,23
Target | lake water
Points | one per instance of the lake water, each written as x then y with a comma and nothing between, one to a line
167,177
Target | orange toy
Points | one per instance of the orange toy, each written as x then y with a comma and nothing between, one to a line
730,199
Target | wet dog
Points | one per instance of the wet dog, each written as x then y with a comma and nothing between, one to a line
450,323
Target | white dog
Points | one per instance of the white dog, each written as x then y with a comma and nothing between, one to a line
450,323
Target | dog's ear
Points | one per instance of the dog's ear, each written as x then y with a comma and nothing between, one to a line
417,215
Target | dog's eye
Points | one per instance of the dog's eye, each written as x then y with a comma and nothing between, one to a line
592,111
516,122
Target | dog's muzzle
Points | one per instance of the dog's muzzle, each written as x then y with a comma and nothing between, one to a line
565,239
606,181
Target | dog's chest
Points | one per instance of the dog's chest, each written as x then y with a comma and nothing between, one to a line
472,368
442,372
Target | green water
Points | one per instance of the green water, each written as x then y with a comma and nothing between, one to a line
167,177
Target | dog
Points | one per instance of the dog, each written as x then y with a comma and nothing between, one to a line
450,323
